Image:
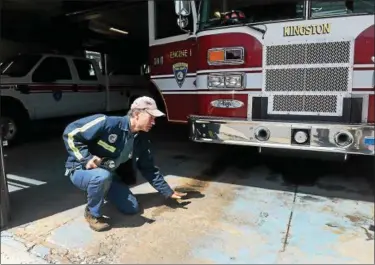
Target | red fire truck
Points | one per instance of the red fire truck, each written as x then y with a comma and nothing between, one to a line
284,74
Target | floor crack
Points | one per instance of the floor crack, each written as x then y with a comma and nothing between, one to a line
28,249
285,243
368,234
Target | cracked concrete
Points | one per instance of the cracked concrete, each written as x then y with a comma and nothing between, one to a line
15,250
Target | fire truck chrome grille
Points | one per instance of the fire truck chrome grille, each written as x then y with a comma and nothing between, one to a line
335,79
288,103
307,78
329,52
285,80
286,54
307,104
309,53
327,79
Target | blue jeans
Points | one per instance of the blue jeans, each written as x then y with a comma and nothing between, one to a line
100,184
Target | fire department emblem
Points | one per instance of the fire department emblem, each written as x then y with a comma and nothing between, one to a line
112,138
57,95
180,71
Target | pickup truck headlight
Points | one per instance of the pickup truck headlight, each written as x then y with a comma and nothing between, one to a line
226,80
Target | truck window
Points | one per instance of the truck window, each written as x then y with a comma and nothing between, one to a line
166,20
253,11
341,7
85,69
97,56
20,65
52,69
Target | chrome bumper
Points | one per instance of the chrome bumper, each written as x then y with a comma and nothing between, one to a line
334,138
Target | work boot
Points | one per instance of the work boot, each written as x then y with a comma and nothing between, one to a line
97,224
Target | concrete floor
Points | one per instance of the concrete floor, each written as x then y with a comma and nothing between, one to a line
241,208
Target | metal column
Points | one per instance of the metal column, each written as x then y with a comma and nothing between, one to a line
4,196
4,202
4,192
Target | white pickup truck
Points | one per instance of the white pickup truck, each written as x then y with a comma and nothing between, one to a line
41,86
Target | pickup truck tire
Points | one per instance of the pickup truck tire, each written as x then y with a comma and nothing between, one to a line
14,121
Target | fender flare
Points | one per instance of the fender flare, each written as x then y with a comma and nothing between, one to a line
12,102
158,97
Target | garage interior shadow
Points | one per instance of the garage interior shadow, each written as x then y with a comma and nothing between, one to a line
36,181
39,188
353,179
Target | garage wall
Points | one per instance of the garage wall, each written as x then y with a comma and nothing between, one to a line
10,48
127,57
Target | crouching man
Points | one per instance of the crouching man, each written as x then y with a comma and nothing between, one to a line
99,139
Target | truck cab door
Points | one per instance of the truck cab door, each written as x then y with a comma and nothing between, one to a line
50,90
172,56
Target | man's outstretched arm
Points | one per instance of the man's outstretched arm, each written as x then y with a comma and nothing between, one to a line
145,163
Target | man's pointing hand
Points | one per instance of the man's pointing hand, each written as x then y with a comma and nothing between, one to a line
178,195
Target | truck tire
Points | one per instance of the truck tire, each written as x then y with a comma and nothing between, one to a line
14,122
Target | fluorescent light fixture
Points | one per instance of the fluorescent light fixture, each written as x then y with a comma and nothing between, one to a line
118,30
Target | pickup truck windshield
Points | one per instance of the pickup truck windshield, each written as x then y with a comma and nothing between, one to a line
20,65
214,13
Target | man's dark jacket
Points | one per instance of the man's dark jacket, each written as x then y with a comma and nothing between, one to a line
106,137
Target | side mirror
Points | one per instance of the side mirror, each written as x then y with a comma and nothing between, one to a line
182,7
182,22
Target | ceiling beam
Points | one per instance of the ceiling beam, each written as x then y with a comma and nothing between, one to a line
86,14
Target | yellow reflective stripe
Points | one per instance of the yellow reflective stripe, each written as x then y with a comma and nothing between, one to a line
107,146
81,129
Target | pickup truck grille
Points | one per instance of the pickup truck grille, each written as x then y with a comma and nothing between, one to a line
306,79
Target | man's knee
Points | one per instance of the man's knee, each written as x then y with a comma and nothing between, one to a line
102,175
129,206
134,207
121,196
101,180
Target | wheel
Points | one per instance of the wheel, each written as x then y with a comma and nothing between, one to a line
9,127
14,123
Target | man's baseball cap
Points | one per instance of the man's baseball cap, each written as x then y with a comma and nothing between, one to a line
147,104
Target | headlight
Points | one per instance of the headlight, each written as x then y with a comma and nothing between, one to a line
233,81
216,81
225,80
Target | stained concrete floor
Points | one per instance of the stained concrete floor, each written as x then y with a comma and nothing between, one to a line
241,207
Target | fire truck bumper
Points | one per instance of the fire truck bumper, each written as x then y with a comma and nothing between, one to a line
335,138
